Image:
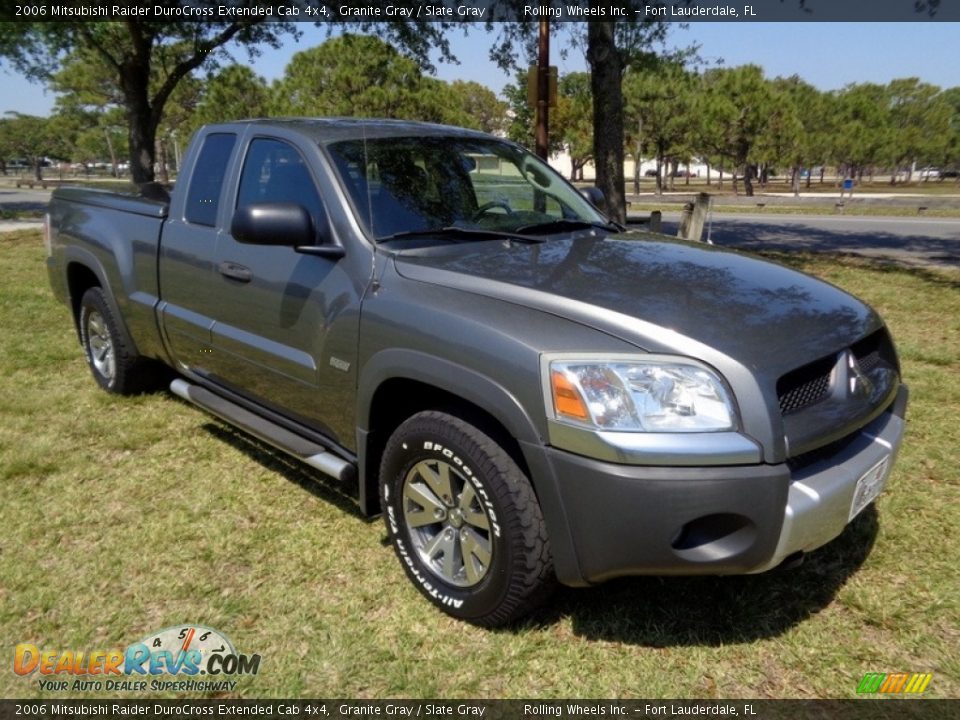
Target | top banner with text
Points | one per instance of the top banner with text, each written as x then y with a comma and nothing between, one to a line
483,11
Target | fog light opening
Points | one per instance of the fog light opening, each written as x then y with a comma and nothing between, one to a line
714,537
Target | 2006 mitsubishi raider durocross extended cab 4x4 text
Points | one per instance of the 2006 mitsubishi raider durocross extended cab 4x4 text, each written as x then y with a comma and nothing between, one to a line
526,391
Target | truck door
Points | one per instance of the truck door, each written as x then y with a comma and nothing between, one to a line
186,254
284,331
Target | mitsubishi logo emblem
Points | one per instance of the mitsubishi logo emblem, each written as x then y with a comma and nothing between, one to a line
857,381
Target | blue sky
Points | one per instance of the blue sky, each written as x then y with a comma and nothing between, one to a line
828,55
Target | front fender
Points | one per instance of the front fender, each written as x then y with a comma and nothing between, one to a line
475,388
491,397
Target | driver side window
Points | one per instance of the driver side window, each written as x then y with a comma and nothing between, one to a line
275,172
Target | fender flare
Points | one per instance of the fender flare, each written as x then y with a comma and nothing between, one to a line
74,255
472,386
463,382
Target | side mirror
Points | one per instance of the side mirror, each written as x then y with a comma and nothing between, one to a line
594,196
280,224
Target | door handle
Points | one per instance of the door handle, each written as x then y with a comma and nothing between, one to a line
235,272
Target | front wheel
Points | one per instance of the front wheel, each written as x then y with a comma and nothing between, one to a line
464,520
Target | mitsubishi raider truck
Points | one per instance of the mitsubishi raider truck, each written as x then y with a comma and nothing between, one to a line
528,392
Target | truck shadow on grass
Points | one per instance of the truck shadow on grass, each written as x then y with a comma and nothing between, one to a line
304,477
714,611
649,611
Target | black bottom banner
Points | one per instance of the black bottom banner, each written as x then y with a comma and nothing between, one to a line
865,709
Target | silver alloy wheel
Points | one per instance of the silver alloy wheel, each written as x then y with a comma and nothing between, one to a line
447,522
102,353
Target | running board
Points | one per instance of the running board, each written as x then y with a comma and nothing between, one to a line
304,450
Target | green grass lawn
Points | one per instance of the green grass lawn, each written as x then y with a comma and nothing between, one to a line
124,516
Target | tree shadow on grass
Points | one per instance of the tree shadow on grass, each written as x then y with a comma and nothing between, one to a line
797,260
902,250
303,476
714,611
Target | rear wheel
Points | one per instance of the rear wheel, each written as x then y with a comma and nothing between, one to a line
464,520
115,367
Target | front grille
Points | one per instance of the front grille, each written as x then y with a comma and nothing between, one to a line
874,351
805,386
810,384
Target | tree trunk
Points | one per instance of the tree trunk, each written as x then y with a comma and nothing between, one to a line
708,175
141,120
659,189
113,153
748,180
795,180
606,76
162,161
637,156
38,168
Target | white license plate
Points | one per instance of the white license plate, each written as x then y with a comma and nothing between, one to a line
869,486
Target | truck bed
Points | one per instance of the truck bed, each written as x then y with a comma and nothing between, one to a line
119,243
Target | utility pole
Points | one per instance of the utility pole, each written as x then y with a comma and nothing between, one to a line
543,84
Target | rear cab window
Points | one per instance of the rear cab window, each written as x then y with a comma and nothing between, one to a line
206,184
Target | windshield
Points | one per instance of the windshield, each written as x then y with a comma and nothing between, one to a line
408,185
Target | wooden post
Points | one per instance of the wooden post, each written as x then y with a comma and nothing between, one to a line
694,216
656,219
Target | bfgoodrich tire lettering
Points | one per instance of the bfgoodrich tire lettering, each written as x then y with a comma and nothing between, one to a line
464,520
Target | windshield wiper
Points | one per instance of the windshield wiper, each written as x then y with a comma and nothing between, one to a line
469,233
561,224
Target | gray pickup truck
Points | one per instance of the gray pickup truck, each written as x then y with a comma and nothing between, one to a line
528,392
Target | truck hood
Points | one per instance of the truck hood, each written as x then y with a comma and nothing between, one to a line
663,295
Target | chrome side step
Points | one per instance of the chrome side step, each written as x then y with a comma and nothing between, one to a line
306,451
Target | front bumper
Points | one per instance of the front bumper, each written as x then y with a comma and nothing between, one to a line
607,520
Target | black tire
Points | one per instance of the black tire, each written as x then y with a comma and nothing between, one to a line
115,367
480,551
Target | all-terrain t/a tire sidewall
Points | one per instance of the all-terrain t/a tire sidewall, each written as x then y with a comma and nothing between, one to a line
508,589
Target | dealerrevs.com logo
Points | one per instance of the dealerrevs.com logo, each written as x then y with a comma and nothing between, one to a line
182,658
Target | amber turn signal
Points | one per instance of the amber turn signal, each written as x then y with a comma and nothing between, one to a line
566,398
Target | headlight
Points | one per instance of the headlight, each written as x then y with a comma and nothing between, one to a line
658,394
